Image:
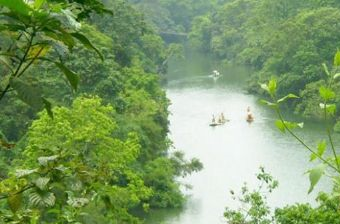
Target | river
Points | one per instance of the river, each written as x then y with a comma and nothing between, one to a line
231,153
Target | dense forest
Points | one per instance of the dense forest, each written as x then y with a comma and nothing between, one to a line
84,117
99,151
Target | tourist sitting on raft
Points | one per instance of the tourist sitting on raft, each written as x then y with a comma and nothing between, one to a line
250,117
220,120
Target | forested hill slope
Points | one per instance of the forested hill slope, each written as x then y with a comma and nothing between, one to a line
172,15
99,151
285,38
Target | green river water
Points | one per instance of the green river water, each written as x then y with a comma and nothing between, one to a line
231,153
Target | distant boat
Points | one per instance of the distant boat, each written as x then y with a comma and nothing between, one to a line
214,124
215,75
249,120
221,122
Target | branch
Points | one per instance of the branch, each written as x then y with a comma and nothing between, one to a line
18,192
304,144
29,45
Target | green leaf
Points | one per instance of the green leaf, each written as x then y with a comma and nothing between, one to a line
265,87
337,58
336,76
17,6
42,199
270,104
326,93
44,160
42,182
289,96
272,87
27,93
72,77
77,202
280,125
325,68
48,107
321,150
83,39
22,173
300,125
292,125
14,202
330,108
38,3
60,35
315,175
283,125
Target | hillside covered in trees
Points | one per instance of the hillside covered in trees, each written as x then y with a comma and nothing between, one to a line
99,151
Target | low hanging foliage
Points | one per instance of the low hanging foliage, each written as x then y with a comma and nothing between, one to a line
40,30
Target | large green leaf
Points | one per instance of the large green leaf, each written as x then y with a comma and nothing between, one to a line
325,68
264,86
326,93
57,33
336,76
42,183
315,175
38,3
17,6
22,173
44,160
321,150
27,93
77,202
72,77
330,108
283,125
272,85
270,104
42,199
83,39
289,96
280,125
31,95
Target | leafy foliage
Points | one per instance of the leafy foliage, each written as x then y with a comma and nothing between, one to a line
101,156
37,30
254,208
73,160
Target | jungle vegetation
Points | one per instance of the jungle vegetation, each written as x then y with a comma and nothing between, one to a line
83,118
